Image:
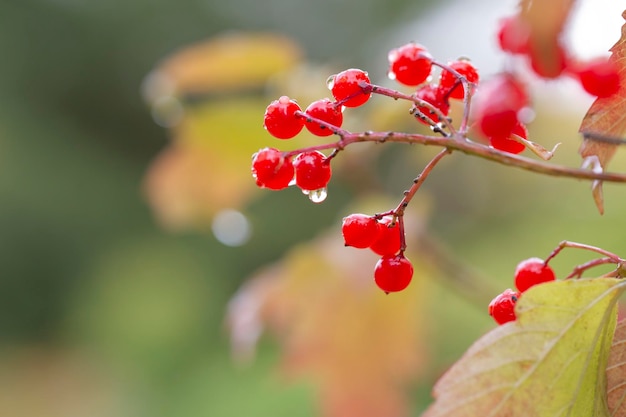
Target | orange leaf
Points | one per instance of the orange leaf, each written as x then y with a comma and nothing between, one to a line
546,20
616,372
359,346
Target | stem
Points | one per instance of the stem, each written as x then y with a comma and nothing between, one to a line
398,212
467,96
463,144
417,102
567,244
580,269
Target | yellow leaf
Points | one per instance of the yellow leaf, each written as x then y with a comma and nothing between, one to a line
549,363
230,62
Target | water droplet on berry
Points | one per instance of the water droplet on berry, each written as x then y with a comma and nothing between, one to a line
330,81
391,75
319,195
305,192
292,182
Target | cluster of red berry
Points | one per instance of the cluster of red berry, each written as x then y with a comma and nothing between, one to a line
310,169
528,273
599,77
381,234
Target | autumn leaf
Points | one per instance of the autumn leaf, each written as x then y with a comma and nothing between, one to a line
206,168
605,122
616,372
222,64
360,347
550,362
546,20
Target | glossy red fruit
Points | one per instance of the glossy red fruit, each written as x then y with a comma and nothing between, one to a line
502,307
513,35
451,84
350,87
599,77
312,170
326,111
410,64
271,169
359,230
507,144
435,96
498,104
280,118
393,273
388,241
531,272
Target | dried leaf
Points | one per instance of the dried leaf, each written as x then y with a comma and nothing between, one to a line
550,362
545,20
605,122
616,372
359,346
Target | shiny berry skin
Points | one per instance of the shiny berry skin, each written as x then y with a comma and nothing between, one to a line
435,96
502,307
447,80
599,77
280,118
513,35
410,64
497,105
271,169
531,272
326,111
349,87
509,145
359,230
312,170
393,273
388,241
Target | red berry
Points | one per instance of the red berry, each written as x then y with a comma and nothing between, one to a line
326,111
599,77
502,307
410,64
280,118
531,272
388,241
271,169
513,35
393,273
350,87
312,170
448,81
359,230
435,96
498,103
507,144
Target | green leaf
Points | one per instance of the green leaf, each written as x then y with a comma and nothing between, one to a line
550,362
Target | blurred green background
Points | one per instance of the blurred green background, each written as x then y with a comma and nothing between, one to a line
105,313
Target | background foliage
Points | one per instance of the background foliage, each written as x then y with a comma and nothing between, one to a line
105,312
